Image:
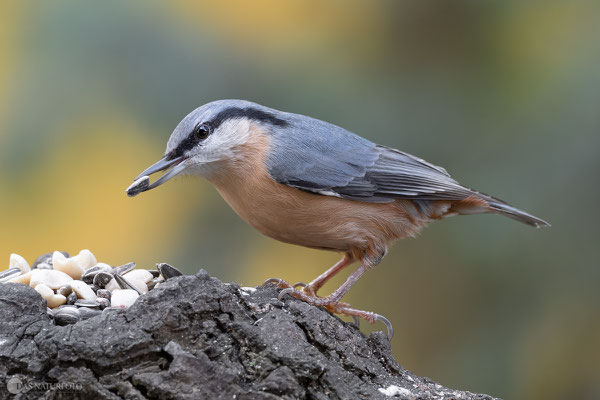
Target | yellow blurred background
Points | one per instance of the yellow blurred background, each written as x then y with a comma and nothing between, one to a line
504,95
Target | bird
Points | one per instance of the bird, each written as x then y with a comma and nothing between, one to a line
307,182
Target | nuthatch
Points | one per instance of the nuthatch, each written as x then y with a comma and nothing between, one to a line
311,183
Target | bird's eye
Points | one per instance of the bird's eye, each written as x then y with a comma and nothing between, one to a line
202,131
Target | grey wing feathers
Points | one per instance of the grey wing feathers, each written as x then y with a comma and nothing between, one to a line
323,158
400,175
316,156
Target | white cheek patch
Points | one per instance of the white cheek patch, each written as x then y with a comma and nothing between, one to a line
224,142
231,134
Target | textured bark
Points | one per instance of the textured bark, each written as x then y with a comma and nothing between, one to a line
195,337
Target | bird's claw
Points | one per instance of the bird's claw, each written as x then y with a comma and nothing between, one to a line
388,325
280,283
307,289
338,307
285,291
371,317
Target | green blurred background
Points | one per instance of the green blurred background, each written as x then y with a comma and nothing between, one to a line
505,95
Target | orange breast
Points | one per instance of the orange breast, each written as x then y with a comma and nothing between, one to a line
295,216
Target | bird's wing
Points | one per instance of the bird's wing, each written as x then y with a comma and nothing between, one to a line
323,158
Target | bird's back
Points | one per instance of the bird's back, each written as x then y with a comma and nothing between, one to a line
326,159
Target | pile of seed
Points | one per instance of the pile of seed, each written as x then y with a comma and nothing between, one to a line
77,288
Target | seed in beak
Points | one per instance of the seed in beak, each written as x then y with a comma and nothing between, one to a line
140,185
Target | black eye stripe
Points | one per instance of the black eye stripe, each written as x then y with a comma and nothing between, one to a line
193,138
250,113
197,135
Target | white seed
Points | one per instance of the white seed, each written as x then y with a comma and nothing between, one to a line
23,278
138,284
123,298
86,259
83,290
112,285
52,300
16,261
50,277
139,274
70,266
56,300
44,291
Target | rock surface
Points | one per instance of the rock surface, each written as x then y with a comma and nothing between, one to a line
195,337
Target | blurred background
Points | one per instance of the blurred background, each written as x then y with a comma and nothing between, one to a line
504,95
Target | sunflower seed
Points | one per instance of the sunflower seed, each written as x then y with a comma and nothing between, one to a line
138,186
101,279
89,274
9,274
155,273
72,298
103,293
125,283
67,316
168,271
123,269
103,302
86,303
64,290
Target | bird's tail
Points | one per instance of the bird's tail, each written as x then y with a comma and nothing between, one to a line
500,207
479,203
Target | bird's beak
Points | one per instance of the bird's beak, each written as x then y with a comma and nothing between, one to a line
142,181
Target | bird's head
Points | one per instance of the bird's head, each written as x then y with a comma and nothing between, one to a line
207,138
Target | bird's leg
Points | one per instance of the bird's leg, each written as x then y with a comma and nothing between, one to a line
332,302
315,284
312,288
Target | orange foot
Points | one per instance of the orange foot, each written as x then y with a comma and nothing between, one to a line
308,295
